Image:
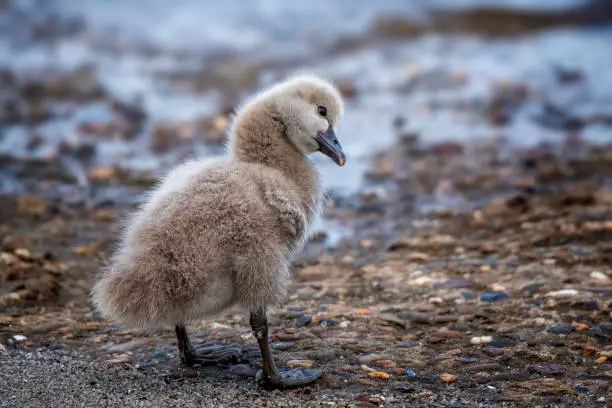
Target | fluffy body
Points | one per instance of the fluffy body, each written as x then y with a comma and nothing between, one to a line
218,233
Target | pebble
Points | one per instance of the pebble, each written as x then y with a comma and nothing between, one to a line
385,363
562,293
160,353
19,338
533,288
435,300
481,339
560,329
601,360
408,344
417,257
422,281
379,374
369,358
328,323
410,373
493,351
367,369
599,276
23,253
467,360
418,317
446,334
484,367
299,363
393,320
494,296
448,378
454,284
323,355
285,345
120,359
503,342
303,320
287,337
580,326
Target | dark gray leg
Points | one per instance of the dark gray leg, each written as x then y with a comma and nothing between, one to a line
259,325
206,353
270,376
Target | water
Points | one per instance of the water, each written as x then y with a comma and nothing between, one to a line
133,45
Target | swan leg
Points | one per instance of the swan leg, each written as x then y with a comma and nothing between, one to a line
270,376
207,353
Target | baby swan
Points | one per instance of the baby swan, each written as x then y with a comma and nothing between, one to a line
219,233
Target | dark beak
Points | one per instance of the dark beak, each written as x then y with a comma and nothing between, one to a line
329,146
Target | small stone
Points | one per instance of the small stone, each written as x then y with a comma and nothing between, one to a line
393,320
478,218
446,334
562,293
485,268
303,320
503,342
8,259
362,312
120,359
286,345
349,369
448,378
560,329
481,339
328,323
601,360
369,358
19,338
539,321
467,360
494,296
422,281
366,243
289,337
408,344
323,355
435,300
453,284
580,326
599,276
454,352
367,369
493,351
23,253
299,363
496,287
102,173
533,288
418,317
379,374
410,373
417,257
385,363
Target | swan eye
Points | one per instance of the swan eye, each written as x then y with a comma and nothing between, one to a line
322,111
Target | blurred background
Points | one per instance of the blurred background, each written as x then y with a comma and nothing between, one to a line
98,98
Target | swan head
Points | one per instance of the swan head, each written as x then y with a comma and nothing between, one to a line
305,110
